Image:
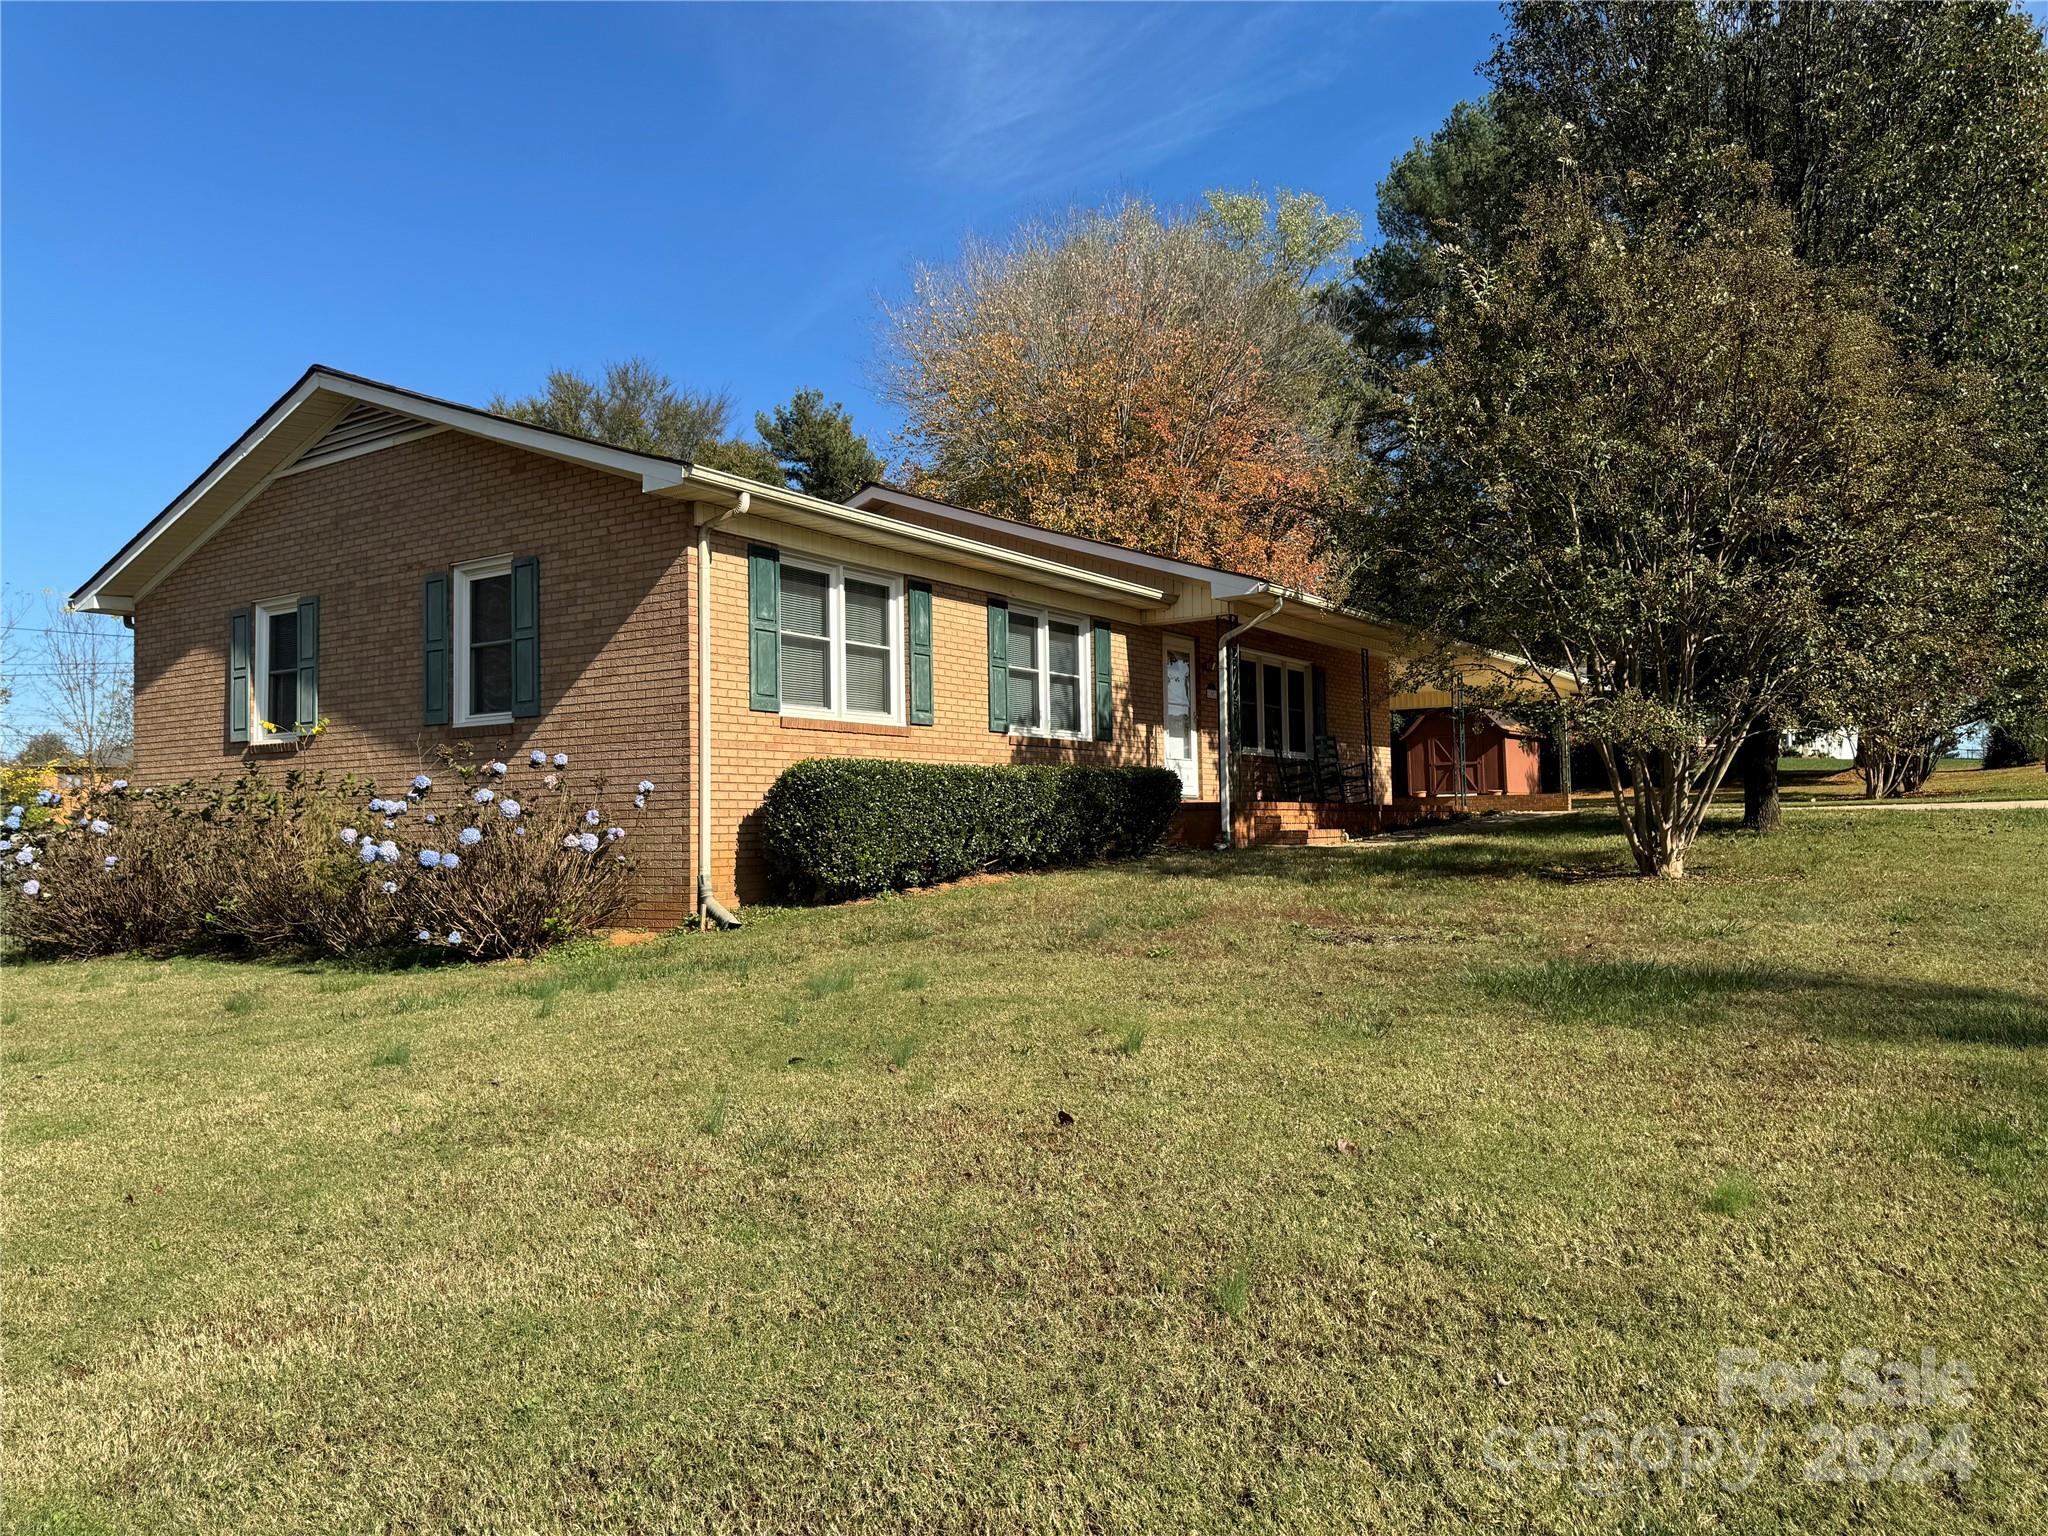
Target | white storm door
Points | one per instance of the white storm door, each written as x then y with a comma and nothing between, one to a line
1183,753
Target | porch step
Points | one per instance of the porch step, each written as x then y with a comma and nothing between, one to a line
1299,837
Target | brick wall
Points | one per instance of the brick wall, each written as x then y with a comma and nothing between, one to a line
751,748
361,535
617,664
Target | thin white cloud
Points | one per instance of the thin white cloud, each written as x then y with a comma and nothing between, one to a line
1030,99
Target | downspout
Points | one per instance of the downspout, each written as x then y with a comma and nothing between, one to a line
1226,669
709,909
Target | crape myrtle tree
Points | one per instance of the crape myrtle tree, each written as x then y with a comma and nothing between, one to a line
1909,144
1648,446
1164,381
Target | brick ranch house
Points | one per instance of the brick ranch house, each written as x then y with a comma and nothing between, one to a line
427,576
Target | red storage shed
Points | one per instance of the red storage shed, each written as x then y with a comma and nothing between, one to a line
1501,756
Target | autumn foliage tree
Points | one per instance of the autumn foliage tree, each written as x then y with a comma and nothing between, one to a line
1162,382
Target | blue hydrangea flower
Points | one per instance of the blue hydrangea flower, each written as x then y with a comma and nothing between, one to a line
508,809
429,859
451,861
639,802
390,887
31,887
118,785
469,837
454,936
519,831
587,842
389,823
432,818
498,768
47,797
348,835
377,805
110,861
26,856
572,842
561,759
422,783
367,852
613,834
14,810
537,758
647,786
484,796
388,851
591,818
100,829
424,937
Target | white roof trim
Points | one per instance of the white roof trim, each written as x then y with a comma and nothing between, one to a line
1223,584
767,499
654,473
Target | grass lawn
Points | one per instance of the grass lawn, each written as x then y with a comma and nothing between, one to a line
1805,780
1244,1192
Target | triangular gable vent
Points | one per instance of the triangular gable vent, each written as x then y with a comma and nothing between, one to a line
365,429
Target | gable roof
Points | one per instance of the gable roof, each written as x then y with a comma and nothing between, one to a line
329,416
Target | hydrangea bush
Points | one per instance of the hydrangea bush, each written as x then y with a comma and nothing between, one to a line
473,860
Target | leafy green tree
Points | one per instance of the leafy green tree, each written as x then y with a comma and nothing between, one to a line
1909,144
816,447
638,407
42,748
1652,446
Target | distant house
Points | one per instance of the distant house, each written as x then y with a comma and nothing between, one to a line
1501,756
424,576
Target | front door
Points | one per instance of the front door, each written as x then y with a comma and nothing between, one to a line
1183,747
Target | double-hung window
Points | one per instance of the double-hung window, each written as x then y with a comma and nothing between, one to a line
1273,705
1048,661
483,642
841,639
277,670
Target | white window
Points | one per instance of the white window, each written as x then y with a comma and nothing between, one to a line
841,642
1273,705
483,642
275,674
1050,674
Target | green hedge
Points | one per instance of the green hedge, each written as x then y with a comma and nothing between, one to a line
837,828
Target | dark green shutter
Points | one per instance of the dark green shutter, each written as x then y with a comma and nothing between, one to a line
309,663
920,653
525,637
434,669
998,665
239,667
1319,705
764,628
1105,697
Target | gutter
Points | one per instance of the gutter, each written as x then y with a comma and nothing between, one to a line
709,911
1226,671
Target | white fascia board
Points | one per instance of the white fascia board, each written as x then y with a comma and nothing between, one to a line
1223,584
724,489
654,474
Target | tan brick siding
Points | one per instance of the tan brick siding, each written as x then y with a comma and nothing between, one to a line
361,535
616,644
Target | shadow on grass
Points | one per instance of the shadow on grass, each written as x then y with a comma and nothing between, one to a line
1648,993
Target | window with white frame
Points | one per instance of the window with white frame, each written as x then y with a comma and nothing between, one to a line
1273,705
275,672
841,642
483,642
1049,666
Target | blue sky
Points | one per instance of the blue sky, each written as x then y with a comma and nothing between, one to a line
200,201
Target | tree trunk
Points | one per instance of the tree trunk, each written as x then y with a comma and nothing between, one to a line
1756,761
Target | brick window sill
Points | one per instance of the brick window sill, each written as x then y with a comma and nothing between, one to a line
843,727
